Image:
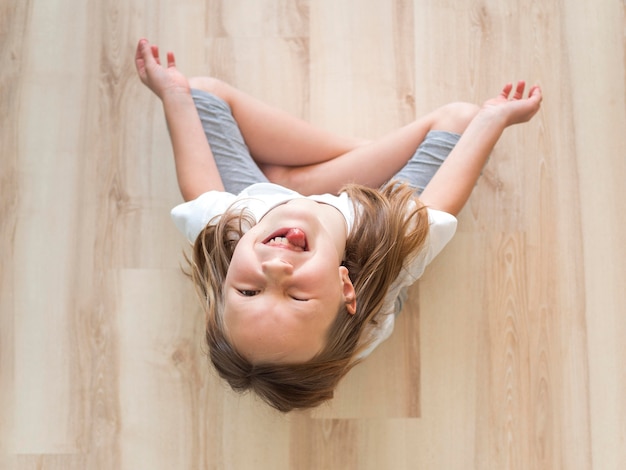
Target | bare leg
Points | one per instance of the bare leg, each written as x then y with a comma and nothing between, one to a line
375,163
326,161
274,137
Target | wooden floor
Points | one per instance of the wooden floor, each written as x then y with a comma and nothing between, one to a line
511,353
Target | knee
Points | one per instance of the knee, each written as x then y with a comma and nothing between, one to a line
210,85
295,178
454,117
278,174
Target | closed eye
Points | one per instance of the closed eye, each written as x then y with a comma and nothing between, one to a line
252,293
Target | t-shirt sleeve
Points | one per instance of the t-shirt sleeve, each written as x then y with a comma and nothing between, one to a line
442,227
441,230
192,216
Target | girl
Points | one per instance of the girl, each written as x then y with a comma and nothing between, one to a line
298,287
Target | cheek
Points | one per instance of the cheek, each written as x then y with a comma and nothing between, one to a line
243,251
237,266
326,277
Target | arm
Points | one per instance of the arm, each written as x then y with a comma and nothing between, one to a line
196,170
453,183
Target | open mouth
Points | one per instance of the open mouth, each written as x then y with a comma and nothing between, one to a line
291,238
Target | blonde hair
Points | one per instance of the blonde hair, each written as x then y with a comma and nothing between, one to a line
390,226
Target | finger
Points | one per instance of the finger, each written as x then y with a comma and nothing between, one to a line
144,49
506,91
171,61
535,91
140,45
141,55
519,90
139,62
155,54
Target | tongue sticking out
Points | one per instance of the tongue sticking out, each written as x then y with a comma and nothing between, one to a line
296,237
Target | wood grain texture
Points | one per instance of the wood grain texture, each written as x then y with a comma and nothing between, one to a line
510,351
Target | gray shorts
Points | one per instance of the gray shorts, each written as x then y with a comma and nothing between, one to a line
238,169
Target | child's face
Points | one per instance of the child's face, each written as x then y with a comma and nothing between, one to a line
281,297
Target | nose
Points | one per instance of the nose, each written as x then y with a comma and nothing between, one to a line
277,269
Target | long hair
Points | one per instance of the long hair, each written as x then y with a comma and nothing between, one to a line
391,225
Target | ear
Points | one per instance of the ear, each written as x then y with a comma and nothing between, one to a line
349,294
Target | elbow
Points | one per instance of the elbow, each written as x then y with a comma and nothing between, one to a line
449,206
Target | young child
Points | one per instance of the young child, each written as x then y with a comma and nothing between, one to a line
304,242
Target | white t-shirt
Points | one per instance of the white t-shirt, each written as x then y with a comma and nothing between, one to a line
191,217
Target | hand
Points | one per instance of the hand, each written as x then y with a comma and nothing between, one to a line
515,109
161,80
